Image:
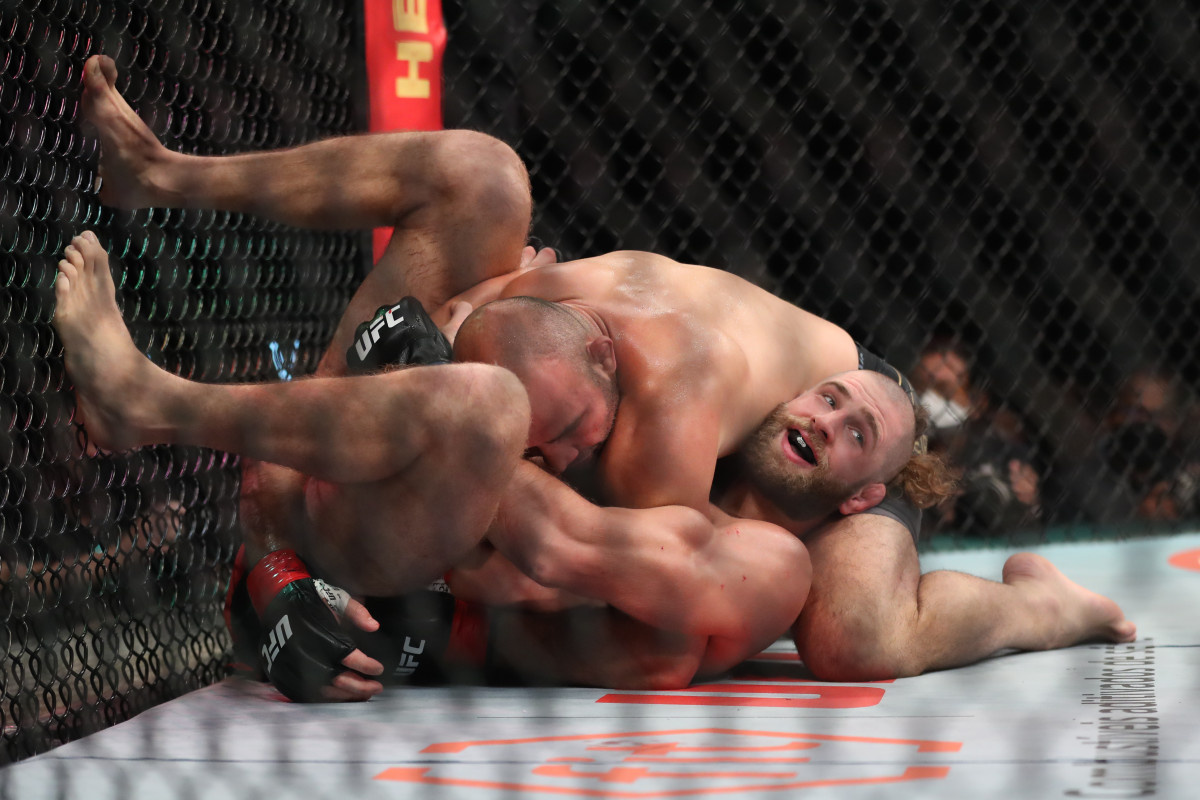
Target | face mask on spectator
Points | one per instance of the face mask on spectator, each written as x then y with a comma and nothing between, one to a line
944,414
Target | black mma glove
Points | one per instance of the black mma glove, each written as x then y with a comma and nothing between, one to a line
301,642
398,334
414,631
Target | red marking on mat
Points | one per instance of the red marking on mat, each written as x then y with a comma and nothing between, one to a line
556,764
1188,559
786,679
662,748
720,760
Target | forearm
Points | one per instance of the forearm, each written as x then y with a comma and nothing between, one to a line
553,535
669,567
271,508
497,582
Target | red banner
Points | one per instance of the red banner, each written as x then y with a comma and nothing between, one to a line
405,40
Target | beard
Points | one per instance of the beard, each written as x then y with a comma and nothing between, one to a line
800,494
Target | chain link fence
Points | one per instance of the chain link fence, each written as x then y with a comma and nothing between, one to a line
114,565
997,196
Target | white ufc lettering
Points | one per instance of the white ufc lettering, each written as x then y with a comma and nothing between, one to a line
275,643
408,664
371,335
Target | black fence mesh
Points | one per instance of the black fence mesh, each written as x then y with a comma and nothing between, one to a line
998,196
114,565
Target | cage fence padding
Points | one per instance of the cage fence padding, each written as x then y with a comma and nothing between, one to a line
998,197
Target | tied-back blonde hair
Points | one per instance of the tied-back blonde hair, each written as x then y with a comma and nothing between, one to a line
925,479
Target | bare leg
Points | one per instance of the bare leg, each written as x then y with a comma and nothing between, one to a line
459,200
872,615
398,456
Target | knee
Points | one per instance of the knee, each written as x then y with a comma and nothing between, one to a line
840,647
492,413
488,176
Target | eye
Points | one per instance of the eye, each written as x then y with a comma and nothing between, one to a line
858,437
828,398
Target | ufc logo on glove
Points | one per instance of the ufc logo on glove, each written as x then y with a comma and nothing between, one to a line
371,334
278,638
408,664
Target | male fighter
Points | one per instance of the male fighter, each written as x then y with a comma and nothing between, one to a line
692,388
396,448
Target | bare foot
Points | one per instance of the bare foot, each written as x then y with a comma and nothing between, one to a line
110,376
1081,615
131,157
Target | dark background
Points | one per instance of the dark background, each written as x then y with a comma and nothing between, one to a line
1015,181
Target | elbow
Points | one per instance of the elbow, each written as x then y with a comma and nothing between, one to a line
670,677
663,672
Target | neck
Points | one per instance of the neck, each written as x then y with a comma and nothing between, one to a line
740,500
588,318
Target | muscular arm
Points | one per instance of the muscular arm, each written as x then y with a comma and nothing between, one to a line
739,582
271,508
495,581
662,452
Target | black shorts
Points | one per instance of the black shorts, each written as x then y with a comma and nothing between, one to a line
896,505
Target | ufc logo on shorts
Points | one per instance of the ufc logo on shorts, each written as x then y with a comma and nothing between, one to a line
408,664
278,638
371,335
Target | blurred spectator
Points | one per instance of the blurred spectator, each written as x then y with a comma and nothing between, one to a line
1148,444
999,486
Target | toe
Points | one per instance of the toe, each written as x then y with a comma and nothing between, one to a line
73,257
62,284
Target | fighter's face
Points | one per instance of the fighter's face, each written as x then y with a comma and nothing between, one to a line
572,408
818,450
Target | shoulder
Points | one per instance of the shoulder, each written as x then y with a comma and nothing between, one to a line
580,278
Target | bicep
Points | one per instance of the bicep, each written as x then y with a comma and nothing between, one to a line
674,569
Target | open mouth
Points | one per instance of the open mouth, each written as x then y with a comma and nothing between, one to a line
796,440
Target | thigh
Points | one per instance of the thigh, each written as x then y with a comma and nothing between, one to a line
430,508
461,238
395,536
862,606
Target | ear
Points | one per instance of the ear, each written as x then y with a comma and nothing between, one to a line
600,351
867,497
